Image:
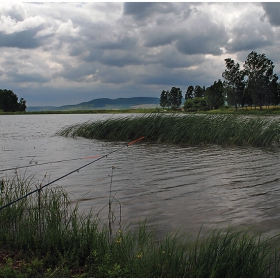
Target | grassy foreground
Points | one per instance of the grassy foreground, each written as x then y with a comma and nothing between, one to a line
183,129
44,236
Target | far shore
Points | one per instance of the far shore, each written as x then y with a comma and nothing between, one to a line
266,111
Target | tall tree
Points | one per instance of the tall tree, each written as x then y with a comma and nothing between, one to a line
175,97
273,98
234,79
199,91
163,101
22,105
214,95
259,71
189,93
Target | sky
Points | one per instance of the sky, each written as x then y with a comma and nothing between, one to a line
67,53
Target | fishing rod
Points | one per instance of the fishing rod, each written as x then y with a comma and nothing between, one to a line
37,164
76,170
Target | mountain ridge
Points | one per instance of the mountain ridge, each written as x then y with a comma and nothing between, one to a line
103,103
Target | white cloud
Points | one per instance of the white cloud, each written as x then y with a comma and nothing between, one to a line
9,25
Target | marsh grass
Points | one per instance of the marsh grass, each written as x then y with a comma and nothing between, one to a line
54,240
182,129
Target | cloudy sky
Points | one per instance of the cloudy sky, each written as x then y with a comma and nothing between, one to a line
67,53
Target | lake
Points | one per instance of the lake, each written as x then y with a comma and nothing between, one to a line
173,187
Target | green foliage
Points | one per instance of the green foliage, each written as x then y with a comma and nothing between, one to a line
189,93
234,81
175,97
214,95
199,91
56,242
9,101
255,85
196,104
163,101
259,71
172,98
182,129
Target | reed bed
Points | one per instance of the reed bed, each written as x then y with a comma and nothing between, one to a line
44,236
182,129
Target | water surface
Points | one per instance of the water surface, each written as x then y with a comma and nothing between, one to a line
173,187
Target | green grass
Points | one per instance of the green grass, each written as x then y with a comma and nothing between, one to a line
182,129
51,239
266,111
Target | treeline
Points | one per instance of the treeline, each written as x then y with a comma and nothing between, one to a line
172,98
9,102
256,85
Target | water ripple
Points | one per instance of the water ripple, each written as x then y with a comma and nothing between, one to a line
174,187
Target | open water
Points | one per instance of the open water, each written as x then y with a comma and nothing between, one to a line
173,187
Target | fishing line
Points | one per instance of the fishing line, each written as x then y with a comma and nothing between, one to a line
76,170
37,164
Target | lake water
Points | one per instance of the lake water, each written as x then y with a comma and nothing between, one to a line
175,188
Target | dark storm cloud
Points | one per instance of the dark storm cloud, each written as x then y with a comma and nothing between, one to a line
192,31
142,10
250,34
119,59
272,12
117,42
170,58
27,78
81,73
22,40
114,76
75,52
160,39
209,40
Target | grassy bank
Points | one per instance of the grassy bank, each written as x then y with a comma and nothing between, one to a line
266,111
44,236
182,129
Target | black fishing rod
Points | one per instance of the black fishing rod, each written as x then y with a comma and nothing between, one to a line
76,170
43,163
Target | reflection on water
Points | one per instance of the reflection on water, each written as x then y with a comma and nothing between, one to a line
173,187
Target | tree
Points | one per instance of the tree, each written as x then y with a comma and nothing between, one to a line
196,104
189,93
273,97
199,91
22,105
259,72
163,101
189,105
175,97
9,101
214,95
234,80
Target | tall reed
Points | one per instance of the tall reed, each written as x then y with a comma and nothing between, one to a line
182,129
65,243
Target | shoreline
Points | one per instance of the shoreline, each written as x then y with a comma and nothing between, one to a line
245,111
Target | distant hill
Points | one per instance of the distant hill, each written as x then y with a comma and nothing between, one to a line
104,103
